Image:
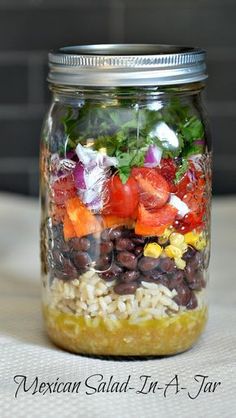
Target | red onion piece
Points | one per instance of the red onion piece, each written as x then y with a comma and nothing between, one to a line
71,155
179,205
79,175
96,204
153,156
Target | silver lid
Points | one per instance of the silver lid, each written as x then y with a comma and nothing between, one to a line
126,65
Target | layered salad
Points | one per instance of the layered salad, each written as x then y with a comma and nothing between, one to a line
125,243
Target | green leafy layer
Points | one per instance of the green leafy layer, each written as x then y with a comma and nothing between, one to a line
127,131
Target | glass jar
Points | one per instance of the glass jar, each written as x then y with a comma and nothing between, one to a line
125,188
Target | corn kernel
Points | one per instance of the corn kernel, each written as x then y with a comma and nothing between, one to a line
200,244
183,247
191,238
180,263
152,250
173,252
176,239
165,236
196,240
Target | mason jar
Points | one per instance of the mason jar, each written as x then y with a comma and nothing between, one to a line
125,191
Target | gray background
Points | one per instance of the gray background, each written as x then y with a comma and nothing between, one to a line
29,28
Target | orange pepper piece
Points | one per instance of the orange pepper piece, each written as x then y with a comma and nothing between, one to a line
82,219
68,228
114,221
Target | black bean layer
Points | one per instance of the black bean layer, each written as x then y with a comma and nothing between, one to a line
117,255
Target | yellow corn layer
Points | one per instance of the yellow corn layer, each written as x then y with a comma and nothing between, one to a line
163,336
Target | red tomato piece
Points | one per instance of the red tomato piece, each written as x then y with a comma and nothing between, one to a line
153,188
154,223
191,190
189,222
63,189
122,198
168,169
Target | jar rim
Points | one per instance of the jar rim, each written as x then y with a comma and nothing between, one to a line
126,65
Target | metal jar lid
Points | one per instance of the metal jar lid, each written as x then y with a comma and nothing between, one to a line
126,65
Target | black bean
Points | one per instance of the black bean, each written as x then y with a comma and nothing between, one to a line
127,260
67,272
189,272
106,247
127,233
130,276
113,273
105,235
197,281
126,288
176,280
161,279
167,264
64,246
183,295
81,259
138,239
196,261
123,244
115,233
156,277
199,258
138,250
192,304
82,244
152,274
74,243
189,253
103,262
148,263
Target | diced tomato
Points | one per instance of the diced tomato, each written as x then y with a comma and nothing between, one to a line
185,185
154,223
63,189
168,169
153,188
122,198
191,190
189,222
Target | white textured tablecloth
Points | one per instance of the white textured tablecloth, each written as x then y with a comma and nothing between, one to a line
25,349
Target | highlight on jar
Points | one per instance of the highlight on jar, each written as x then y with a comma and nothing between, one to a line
125,226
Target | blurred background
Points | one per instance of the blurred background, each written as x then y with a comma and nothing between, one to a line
29,28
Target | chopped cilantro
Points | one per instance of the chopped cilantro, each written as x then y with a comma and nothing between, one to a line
181,171
128,160
126,131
